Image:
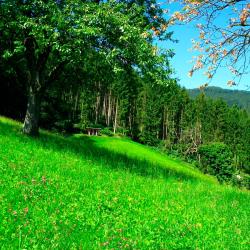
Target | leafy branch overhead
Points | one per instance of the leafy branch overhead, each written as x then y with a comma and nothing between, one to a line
224,35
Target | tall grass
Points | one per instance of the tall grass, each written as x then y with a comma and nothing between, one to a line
108,193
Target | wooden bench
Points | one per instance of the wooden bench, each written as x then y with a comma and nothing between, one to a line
93,131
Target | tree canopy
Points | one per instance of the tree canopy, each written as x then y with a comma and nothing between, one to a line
45,36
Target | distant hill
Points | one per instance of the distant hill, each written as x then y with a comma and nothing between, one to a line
239,97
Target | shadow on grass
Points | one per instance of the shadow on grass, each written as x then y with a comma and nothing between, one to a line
85,148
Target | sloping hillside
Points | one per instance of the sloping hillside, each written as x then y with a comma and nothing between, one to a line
238,97
109,193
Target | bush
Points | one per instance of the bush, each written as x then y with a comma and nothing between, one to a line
122,131
241,180
149,138
106,131
217,159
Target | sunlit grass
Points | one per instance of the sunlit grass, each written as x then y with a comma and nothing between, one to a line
108,193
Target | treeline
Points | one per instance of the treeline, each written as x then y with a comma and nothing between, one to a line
156,114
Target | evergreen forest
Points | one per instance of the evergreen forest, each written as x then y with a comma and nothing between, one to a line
241,98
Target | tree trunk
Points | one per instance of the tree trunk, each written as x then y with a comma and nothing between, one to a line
31,122
163,123
97,107
36,65
109,109
116,113
166,125
104,108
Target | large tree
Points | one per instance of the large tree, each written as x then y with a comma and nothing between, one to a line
45,36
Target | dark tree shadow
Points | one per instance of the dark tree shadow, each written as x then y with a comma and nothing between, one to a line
84,147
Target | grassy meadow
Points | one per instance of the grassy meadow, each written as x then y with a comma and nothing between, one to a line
83,192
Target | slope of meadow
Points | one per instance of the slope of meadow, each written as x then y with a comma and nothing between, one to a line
108,193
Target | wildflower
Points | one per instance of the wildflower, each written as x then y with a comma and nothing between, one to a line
44,179
105,243
26,210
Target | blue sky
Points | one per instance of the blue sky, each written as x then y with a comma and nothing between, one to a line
181,61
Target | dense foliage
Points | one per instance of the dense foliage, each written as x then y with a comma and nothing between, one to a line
216,159
42,39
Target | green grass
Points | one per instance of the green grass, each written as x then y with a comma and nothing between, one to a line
108,193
